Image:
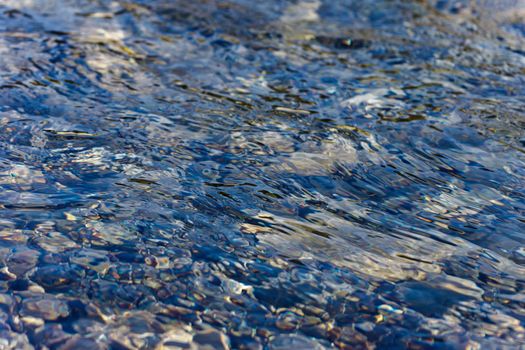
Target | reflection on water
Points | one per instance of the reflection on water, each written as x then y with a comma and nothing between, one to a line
276,174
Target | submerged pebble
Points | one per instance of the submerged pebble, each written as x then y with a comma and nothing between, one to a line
47,309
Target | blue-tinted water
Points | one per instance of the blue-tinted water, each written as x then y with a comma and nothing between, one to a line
262,175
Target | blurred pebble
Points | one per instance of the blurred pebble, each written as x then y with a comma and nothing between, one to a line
211,340
46,308
293,341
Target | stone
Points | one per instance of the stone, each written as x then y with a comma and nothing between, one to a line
48,309
211,339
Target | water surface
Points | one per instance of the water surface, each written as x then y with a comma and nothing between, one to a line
262,175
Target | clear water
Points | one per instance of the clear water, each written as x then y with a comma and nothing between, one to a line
262,175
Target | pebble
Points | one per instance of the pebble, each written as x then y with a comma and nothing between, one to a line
287,321
50,335
293,341
92,259
14,341
78,342
211,340
47,309
55,242
30,321
175,339
22,261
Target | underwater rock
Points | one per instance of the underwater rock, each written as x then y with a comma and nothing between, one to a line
211,339
46,308
293,341
55,242
91,259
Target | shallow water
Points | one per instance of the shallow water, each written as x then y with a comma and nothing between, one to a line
269,175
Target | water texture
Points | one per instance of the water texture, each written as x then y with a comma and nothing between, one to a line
214,174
